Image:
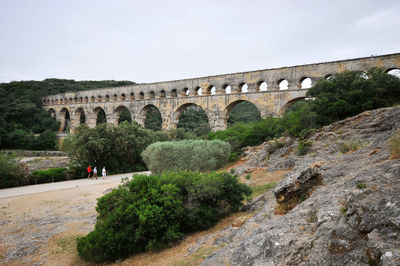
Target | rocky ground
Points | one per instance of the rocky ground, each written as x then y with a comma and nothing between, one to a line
344,195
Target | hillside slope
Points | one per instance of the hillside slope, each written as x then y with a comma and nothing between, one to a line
347,192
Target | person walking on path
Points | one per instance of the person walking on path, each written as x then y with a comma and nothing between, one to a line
89,170
103,172
94,172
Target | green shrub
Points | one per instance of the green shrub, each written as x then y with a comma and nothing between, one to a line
361,185
151,211
49,175
248,177
12,173
394,146
197,155
303,147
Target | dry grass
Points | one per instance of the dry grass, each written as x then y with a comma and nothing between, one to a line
394,146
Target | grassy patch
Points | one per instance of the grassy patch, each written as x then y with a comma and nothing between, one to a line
258,190
303,147
394,146
350,146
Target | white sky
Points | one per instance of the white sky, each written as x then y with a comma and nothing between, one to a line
149,41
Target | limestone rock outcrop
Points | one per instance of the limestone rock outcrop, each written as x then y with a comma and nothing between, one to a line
351,214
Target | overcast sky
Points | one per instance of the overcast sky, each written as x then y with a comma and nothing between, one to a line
149,41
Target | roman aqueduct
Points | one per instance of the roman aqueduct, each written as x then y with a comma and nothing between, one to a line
270,90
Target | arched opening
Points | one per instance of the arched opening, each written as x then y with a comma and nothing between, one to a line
92,99
123,97
70,100
291,105
262,86
242,111
80,100
162,94
132,96
107,98
186,92
99,98
123,114
174,93
198,91
80,115
150,117
227,89
328,76
193,119
141,95
394,71
152,95
211,90
115,97
305,83
75,99
243,87
66,120
100,115
52,113
86,99
283,84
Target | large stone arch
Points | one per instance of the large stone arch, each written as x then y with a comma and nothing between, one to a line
284,108
175,115
76,118
224,115
141,117
65,119
94,114
117,113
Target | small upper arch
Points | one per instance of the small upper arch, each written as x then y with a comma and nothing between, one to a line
262,85
283,84
305,83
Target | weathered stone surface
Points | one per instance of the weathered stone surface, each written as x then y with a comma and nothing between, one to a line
341,222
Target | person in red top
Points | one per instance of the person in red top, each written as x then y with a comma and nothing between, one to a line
89,170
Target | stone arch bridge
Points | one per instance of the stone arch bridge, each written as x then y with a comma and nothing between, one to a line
270,90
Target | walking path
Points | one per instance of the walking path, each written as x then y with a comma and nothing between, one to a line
19,191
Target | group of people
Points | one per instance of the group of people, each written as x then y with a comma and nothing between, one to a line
89,170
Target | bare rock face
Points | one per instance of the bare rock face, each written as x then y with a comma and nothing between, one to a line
352,217
298,184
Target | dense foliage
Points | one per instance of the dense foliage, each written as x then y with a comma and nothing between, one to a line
244,112
194,155
21,114
153,119
151,211
194,120
117,148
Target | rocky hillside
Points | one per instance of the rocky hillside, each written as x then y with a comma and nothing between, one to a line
338,205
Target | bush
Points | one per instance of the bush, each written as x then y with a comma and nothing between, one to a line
303,147
195,155
394,146
151,211
12,173
351,145
49,175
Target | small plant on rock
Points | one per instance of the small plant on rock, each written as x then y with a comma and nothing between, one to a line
248,176
303,147
361,185
394,146
350,146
